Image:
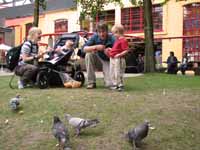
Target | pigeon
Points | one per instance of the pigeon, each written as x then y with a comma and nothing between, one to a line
137,134
79,123
15,102
60,132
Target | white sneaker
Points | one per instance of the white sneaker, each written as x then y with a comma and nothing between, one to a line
20,84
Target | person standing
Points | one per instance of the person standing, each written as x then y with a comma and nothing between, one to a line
117,60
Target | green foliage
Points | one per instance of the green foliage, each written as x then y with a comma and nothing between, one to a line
92,8
135,2
43,4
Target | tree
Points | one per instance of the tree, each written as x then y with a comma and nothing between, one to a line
37,5
149,61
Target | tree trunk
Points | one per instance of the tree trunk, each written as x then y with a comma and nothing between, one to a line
149,65
36,13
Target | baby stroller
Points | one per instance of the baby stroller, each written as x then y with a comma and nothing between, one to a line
50,69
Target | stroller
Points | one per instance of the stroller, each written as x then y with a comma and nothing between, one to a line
50,70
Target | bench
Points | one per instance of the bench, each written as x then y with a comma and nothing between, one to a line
192,66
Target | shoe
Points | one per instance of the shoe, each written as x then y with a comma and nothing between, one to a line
20,84
91,86
120,88
113,88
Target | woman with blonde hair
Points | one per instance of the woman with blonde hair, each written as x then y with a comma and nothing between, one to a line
27,66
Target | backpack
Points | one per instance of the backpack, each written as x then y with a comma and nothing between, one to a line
12,56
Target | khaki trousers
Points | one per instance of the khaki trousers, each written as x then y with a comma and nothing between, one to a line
117,69
91,60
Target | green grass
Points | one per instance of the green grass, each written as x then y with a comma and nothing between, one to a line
171,103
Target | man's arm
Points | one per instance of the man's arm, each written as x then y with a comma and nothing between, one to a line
94,48
91,46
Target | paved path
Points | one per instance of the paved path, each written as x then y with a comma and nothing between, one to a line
98,74
4,73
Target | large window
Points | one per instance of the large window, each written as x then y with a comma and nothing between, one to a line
28,27
106,16
1,37
191,27
1,40
61,25
132,18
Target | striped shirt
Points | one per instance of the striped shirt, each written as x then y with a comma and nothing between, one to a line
30,49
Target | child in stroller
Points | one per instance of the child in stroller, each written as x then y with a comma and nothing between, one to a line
58,70
61,51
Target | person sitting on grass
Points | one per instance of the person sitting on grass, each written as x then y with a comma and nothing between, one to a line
117,60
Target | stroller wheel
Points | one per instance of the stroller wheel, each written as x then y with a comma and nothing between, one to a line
79,76
42,80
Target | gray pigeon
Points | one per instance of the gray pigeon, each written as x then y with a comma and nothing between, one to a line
137,134
79,123
60,132
15,102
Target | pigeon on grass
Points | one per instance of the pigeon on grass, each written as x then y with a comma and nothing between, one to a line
137,134
15,103
79,123
60,132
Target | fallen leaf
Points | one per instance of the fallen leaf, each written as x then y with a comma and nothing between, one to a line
6,122
21,112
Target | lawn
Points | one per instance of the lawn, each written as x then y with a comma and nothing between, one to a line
171,103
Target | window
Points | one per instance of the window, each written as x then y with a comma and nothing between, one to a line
191,26
1,40
132,18
1,37
28,27
106,16
61,25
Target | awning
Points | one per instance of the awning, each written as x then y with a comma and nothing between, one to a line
5,47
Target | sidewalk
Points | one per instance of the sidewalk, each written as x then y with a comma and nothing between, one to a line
5,73
98,74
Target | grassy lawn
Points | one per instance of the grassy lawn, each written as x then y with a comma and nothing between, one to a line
171,103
